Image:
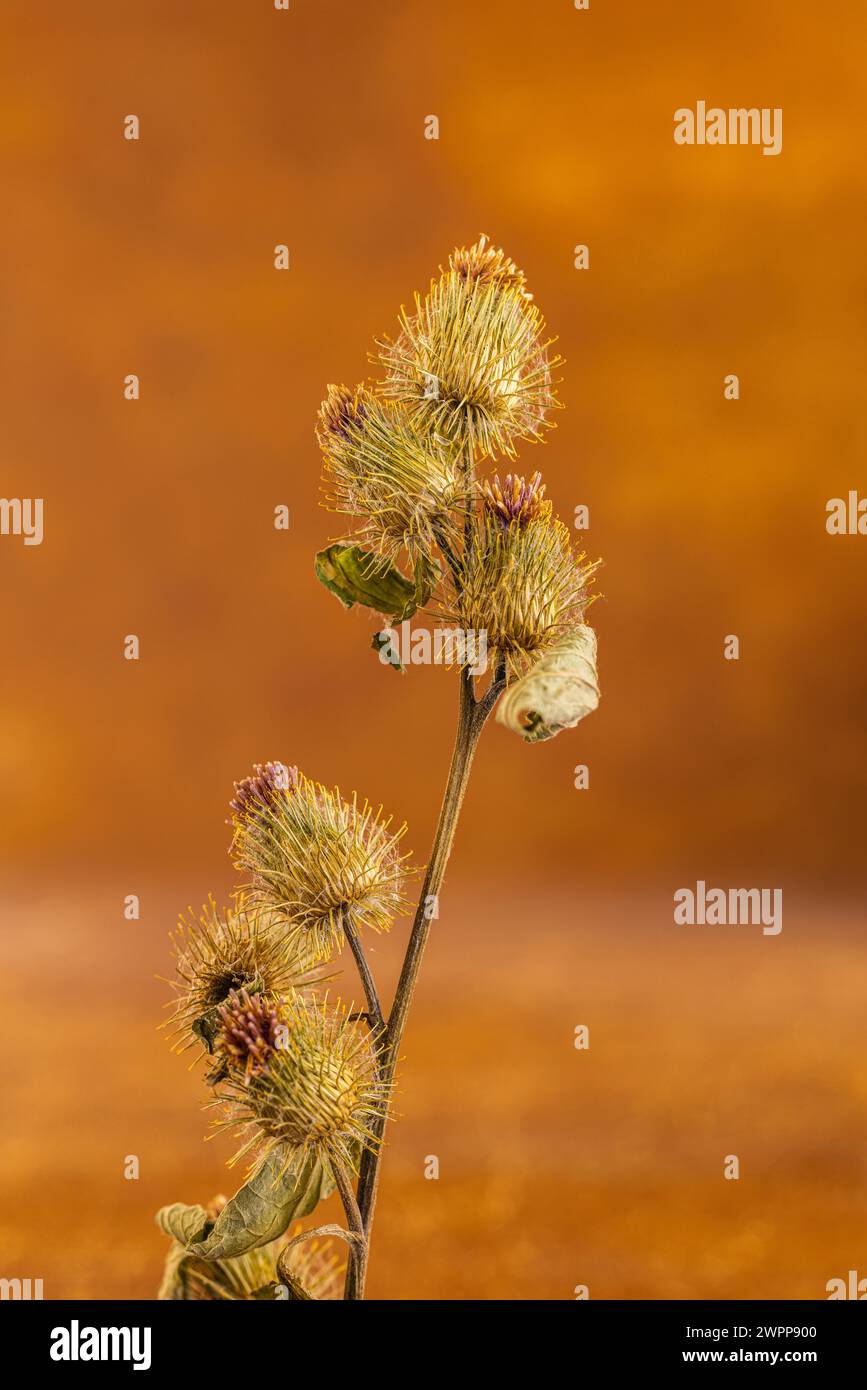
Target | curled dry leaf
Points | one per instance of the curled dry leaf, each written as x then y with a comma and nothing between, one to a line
558,691
281,1189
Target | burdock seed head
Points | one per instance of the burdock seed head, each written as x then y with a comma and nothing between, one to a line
223,951
319,1091
313,859
472,361
522,583
399,485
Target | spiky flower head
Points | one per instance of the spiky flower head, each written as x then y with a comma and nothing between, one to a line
308,1270
472,361
223,950
514,502
319,1091
313,859
399,485
521,581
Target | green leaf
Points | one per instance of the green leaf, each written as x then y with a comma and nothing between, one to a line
184,1224
383,645
261,1210
205,1028
359,576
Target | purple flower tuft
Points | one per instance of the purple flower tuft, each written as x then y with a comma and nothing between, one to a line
263,789
516,502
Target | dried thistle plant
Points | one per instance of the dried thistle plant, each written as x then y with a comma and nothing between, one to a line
313,860
472,362
303,1081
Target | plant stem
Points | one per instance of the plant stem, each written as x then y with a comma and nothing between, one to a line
357,1248
375,1016
471,719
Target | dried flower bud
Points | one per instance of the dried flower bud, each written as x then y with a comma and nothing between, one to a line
515,502
398,484
319,1092
486,263
471,363
342,414
313,858
268,782
249,1032
223,951
521,582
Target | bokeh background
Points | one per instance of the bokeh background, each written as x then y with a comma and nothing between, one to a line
259,127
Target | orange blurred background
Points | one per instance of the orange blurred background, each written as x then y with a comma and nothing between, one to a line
260,127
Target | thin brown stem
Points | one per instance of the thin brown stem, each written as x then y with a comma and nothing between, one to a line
469,729
375,1017
357,1247
471,720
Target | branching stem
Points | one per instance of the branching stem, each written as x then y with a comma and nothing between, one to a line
472,715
